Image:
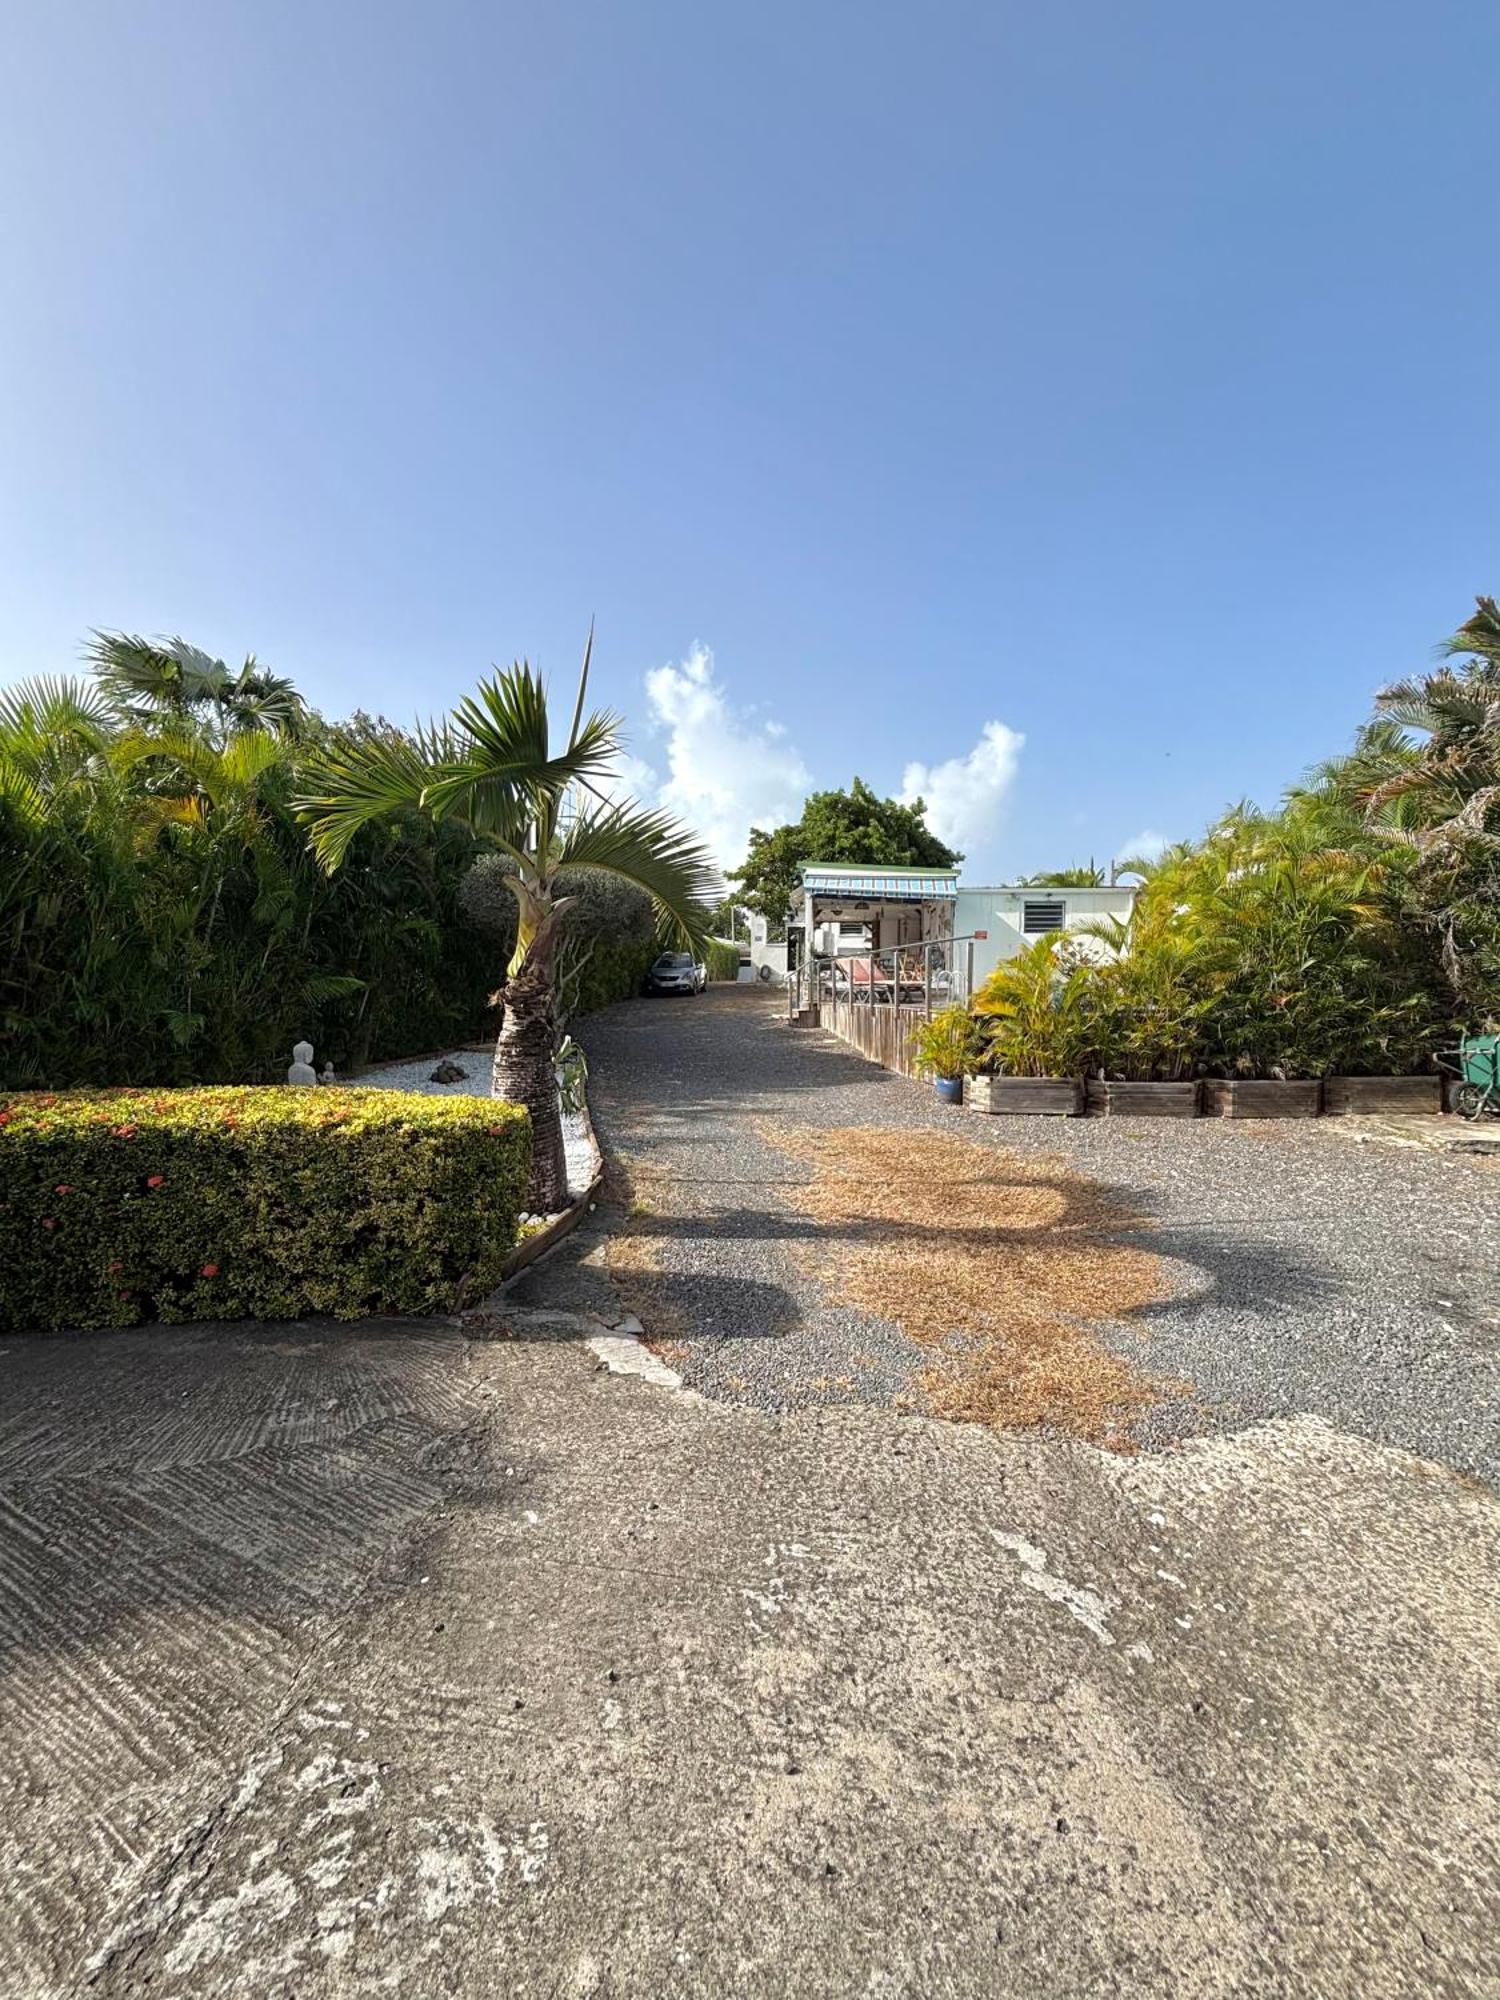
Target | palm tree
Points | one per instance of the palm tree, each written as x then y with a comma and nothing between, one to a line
490,764
1452,779
148,682
1088,877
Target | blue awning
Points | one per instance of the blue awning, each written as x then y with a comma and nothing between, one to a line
899,886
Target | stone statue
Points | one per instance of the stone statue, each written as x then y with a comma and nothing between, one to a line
326,1075
302,1070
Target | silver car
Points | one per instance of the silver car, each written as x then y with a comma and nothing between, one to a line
677,972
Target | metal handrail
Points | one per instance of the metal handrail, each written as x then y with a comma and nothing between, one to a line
817,975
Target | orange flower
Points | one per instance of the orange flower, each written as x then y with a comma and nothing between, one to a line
114,1265
126,1131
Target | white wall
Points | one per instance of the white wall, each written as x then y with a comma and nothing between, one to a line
1000,910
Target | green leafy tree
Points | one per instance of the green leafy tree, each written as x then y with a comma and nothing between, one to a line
856,826
491,766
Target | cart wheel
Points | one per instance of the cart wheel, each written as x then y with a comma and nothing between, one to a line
1470,1099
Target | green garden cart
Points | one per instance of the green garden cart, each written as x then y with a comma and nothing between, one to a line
1476,1064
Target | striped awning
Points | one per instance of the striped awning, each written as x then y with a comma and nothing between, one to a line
898,885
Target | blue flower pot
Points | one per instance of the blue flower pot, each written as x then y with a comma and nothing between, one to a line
950,1089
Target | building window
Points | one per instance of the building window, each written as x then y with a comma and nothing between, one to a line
1044,913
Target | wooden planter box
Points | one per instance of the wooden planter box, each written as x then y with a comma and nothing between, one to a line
1255,1097
1371,1096
1142,1100
1059,1097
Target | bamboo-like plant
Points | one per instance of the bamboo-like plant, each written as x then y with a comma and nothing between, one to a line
491,765
949,1045
1032,1011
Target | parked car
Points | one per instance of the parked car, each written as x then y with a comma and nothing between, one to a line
677,972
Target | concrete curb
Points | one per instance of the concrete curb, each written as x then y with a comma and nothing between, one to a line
547,1239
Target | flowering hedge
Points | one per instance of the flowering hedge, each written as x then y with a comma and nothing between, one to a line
128,1205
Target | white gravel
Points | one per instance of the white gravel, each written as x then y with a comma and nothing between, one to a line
417,1076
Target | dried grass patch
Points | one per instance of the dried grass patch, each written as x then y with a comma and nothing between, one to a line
996,1261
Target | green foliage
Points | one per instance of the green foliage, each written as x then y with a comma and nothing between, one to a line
168,926
1087,877
949,1045
123,1206
722,957
1421,787
1262,952
855,826
1032,1013
162,921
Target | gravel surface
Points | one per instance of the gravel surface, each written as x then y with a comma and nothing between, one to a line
417,1075
1357,1283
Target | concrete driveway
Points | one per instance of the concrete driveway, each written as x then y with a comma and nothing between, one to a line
431,1659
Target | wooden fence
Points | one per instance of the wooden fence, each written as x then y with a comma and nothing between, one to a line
877,1029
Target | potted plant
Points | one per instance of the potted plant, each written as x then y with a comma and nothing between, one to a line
946,1049
1033,1012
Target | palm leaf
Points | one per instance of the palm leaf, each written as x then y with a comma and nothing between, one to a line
653,852
358,782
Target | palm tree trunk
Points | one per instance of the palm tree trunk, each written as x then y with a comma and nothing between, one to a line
524,1074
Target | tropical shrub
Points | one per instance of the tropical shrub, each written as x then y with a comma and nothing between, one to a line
161,918
1268,951
1143,1010
722,957
949,1045
125,1205
1032,1011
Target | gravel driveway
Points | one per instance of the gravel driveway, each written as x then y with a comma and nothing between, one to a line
1356,1283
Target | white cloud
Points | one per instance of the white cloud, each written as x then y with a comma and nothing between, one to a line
628,780
728,769
965,796
1143,846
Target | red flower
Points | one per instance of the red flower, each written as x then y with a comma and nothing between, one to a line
62,1188
208,1270
49,1222
155,1180
4,1117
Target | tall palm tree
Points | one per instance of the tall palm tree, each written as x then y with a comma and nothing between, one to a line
491,765
153,681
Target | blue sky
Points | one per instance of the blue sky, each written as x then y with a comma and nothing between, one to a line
889,382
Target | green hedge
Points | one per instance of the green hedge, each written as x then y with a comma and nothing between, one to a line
241,1203
723,959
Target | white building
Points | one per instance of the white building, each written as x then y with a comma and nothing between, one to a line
1004,920
848,910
